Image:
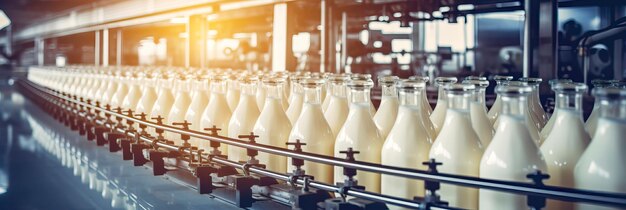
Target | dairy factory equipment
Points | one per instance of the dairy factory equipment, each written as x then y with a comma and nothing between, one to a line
313,104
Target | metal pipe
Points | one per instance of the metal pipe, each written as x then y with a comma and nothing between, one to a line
551,192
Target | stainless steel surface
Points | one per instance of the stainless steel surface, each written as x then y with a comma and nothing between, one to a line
44,165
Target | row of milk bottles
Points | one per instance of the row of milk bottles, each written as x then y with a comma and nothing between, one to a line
333,112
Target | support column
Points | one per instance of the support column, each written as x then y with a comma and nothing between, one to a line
548,41
187,43
344,42
39,50
531,37
118,48
197,40
282,33
326,38
97,49
105,47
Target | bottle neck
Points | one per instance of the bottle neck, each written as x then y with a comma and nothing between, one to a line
313,95
274,91
570,101
389,91
296,88
248,89
459,101
479,96
360,95
339,89
514,105
218,87
411,97
441,94
535,95
613,108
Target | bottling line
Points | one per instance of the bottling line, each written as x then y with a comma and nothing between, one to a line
313,104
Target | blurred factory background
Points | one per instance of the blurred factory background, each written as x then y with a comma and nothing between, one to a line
401,37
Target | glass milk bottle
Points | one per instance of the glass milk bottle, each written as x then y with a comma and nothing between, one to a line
233,92
601,167
592,121
364,77
273,126
199,101
530,123
478,112
458,146
148,94
244,116
122,90
217,113
180,106
548,127
102,88
407,144
337,111
164,101
296,98
134,92
534,102
360,133
496,108
109,91
512,153
567,141
439,113
312,129
388,108
425,103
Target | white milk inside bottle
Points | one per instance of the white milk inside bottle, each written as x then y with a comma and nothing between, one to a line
134,92
592,121
567,141
181,104
273,126
458,147
439,113
244,116
601,167
87,85
364,77
407,144
338,108
530,123
217,113
148,95
388,108
121,92
360,133
425,103
313,129
534,102
478,111
104,84
164,100
548,127
297,99
109,91
199,101
98,80
496,108
233,92
512,154
430,127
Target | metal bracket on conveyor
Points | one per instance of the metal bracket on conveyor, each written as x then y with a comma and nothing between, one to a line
535,202
73,116
91,129
113,136
349,184
205,172
101,129
80,121
138,146
303,197
156,156
431,198
126,141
